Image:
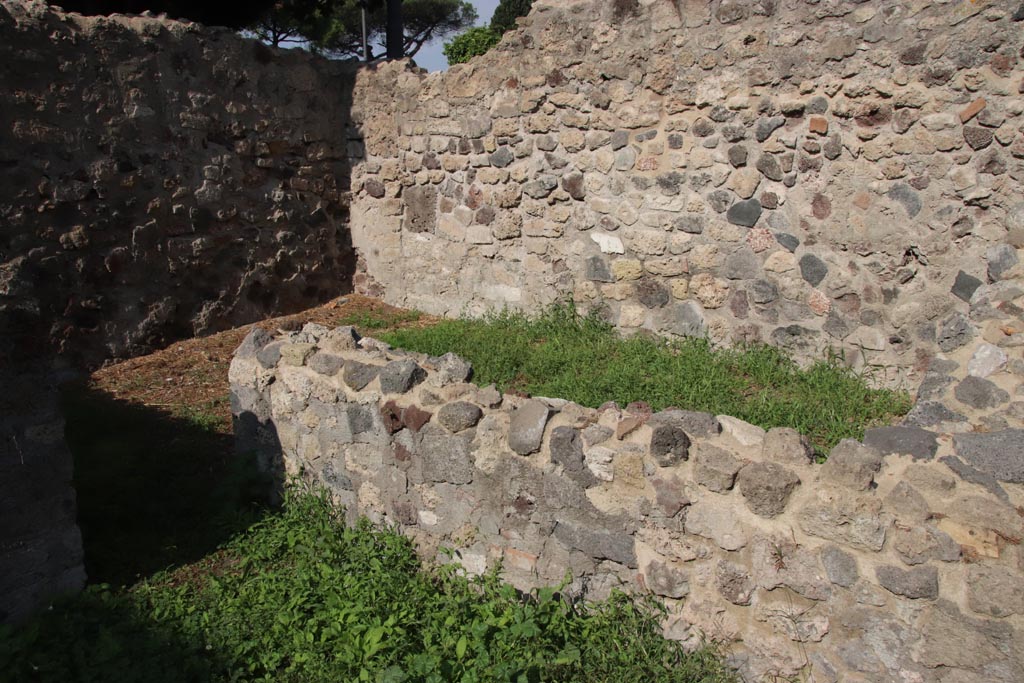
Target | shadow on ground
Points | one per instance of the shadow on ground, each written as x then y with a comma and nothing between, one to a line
155,489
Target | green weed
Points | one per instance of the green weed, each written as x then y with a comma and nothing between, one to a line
581,358
301,597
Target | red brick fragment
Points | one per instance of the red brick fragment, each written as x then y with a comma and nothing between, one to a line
972,109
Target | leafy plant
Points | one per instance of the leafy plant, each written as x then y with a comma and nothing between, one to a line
301,597
476,41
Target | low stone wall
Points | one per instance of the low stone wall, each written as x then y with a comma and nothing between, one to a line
880,565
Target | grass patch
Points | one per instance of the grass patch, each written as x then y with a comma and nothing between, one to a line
561,354
300,597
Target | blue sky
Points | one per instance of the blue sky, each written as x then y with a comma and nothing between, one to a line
432,59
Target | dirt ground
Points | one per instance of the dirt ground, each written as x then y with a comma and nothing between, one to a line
191,377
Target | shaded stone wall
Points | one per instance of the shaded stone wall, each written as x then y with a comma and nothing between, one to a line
162,180
898,559
810,174
158,180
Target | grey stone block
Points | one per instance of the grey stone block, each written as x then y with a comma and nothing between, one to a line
526,430
399,376
1000,454
458,416
766,487
918,443
917,583
745,213
357,375
597,543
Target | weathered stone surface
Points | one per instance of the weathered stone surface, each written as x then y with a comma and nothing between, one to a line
905,195
853,464
853,521
450,369
446,457
357,375
733,583
954,332
712,519
920,582
596,269
325,363
745,213
715,468
1000,454
913,441
986,360
766,126
778,561
459,415
253,343
930,414
270,354
965,285
669,443
598,544
399,376
420,208
918,545
666,580
1001,259
766,487
526,430
994,591
840,566
979,393
813,269
787,446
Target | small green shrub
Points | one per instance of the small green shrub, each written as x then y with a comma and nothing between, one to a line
302,598
560,353
471,43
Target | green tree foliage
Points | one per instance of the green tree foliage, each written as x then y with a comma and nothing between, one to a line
471,43
480,39
506,13
335,26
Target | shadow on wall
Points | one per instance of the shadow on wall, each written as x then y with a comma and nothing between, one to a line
154,490
158,181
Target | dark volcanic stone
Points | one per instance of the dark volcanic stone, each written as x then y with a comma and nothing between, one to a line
977,392
597,270
325,363
965,285
907,196
977,137
813,269
1000,454
459,415
916,583
399,376
766,126
745,213
954,332
930,413
616,546
766,487
968,473
918,443
651,293
669,444
502,157
357,375
790,242
769,166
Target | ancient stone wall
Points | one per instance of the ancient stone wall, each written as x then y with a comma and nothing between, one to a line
158,180
898,559
808,173
162,180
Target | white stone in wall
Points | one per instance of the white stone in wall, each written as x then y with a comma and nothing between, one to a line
609,244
